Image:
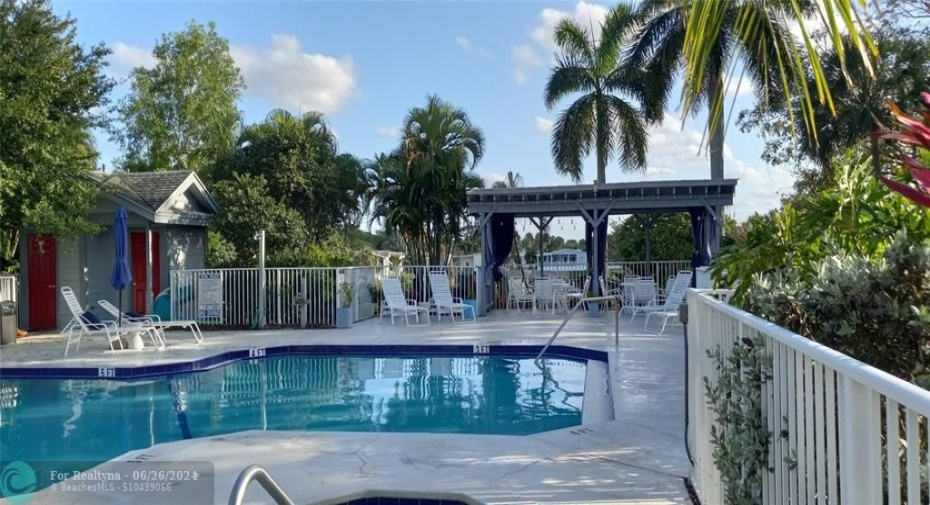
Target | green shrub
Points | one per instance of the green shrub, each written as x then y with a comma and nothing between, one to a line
875,310
741,443
858,216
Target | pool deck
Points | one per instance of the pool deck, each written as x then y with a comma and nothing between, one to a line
636,458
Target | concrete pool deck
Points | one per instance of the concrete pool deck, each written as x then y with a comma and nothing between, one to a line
638,457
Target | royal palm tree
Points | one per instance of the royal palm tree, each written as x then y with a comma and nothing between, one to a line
660,48
603,117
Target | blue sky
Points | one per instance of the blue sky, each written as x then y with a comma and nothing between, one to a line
365,64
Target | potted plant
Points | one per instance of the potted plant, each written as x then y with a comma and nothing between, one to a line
344,310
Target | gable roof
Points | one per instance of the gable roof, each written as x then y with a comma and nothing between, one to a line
152,194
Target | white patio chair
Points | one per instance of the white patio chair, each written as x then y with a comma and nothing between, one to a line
396,305
544,295
443,299
154,320
518,293
84,324
669,308
642,293
575,294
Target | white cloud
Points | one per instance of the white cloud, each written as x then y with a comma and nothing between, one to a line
463,43
525,58
125,57
468,46
391,131
542,35
543,125
283,74
815,26
288,77
492,177
681,153
588,15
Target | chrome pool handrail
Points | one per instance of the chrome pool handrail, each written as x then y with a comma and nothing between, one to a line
259,474
572,313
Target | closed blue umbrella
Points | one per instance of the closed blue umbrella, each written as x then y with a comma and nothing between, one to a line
121,275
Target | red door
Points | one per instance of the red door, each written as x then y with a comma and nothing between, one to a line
43,298
137,247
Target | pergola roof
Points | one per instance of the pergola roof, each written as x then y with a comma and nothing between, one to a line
618,198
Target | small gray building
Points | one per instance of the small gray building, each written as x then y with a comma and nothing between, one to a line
168,217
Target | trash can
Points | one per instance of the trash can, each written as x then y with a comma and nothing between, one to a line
8,326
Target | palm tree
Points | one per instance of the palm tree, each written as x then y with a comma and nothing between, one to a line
903,71
513,180
660,48
421,186
710,22
600,118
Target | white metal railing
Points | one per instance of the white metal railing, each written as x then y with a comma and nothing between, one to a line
661,270
833,415
9,288
296,297
576,275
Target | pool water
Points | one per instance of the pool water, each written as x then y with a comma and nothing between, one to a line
91,421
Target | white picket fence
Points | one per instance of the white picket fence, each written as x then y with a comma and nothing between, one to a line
830,413
9,288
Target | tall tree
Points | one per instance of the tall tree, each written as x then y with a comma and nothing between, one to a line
661,49
601,118
181,113
51,91
421,186
668,237
711,22
297,158
512,181
903,71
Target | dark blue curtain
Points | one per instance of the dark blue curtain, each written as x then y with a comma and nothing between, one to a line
502,228
601,243
698,234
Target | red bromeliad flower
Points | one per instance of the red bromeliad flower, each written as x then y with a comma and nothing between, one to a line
915,133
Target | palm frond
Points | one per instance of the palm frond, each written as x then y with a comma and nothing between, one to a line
573,136
567,77
632,135
574,39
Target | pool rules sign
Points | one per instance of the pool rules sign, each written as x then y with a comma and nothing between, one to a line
209,295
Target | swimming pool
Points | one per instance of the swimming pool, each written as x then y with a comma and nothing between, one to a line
88,421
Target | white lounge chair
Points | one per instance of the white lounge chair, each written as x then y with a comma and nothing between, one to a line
85,324
669,308
443,300
154,320
395,304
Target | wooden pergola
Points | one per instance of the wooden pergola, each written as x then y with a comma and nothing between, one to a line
704,200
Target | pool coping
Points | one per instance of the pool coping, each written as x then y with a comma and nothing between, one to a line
370,350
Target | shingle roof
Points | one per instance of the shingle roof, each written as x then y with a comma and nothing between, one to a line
149,189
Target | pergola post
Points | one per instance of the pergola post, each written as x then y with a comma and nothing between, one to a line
541,225
648,222
595,220
480,277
